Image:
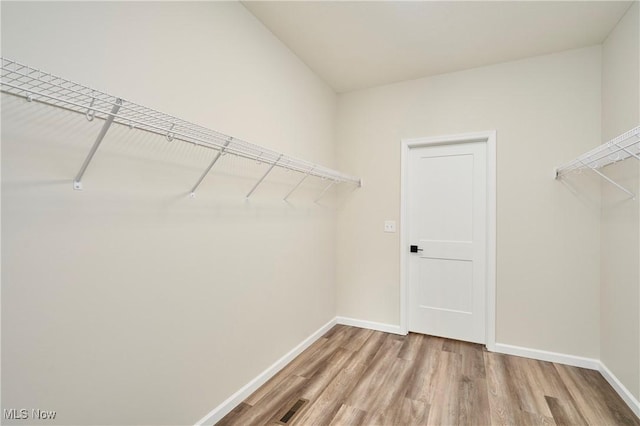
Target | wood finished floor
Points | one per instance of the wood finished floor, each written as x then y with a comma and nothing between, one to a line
353,376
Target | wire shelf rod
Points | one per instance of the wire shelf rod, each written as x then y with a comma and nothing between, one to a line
157,116
601,156
186,138
160,130
595,157
71,101
35,85
217,145
627,145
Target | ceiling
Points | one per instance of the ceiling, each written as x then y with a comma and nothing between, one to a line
356,45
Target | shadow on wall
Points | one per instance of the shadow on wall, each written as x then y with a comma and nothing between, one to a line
581,186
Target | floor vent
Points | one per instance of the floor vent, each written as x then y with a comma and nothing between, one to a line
292,412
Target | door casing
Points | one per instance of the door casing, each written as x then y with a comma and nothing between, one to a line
489,138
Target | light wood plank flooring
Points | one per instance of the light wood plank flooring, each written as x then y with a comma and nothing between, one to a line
353,376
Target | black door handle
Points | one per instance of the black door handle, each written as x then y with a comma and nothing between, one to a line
414,249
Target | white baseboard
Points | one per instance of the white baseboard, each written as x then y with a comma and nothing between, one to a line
621,389
387,328
575,361
223,409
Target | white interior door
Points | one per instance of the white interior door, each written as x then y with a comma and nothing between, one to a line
447,217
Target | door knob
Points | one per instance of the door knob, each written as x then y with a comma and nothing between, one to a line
414,249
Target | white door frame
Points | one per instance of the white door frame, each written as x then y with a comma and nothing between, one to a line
488,137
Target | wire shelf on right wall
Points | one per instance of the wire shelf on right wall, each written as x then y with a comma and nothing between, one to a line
620,148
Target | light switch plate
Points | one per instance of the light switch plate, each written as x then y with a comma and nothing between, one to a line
389,226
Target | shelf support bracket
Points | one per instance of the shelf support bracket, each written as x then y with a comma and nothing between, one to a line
324,191
264,176
298,184
611,181
77,182
208,169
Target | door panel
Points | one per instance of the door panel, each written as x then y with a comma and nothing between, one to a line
446,182
451,291
446,208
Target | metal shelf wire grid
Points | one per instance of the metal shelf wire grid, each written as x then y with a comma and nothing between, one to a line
35,85
618,149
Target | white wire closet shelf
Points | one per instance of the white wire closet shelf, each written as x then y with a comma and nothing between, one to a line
620,148
35,85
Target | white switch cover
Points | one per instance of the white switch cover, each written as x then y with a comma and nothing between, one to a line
389,226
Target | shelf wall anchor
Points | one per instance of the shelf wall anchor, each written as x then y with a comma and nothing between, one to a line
77,182
170,136
208,169
264,176
91,113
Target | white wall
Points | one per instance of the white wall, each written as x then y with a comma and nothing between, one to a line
546,110
129,302
620,267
